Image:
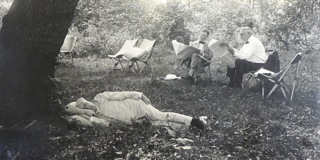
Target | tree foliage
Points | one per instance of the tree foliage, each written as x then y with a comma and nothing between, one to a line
104,25
291,23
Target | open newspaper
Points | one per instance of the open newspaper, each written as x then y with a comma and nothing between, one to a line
183,51
219,49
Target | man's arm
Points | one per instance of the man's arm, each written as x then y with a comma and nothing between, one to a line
119,96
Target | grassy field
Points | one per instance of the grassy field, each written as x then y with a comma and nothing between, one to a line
243,125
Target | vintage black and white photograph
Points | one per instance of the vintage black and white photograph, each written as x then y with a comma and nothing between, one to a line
159,80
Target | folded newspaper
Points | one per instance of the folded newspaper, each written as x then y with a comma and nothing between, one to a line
219,48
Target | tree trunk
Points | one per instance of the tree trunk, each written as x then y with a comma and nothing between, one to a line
30,38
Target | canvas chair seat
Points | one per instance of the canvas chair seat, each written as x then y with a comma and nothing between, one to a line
134,53
115,56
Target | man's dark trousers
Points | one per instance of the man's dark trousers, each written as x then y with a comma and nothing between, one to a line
241,67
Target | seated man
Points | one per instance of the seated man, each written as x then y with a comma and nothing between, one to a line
198,60
251,57
128,106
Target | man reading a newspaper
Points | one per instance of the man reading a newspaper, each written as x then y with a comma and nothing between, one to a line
251,57
199,59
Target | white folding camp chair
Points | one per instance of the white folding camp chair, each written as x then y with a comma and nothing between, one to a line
140,54
128,45
67,47
277,78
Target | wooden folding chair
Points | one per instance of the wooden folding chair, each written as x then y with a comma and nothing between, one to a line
67,47
142,53
128,45
277,78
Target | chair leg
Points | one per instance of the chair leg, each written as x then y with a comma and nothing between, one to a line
131,67
245,84
71,58
145,65
209,72
137,66
115,65
262,92
134,67
294,82
151,66
286,88
121,64
273,89
293,88
283,92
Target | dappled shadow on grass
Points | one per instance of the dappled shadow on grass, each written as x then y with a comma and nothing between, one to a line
243,125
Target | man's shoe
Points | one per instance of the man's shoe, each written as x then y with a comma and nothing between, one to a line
199,123
204,119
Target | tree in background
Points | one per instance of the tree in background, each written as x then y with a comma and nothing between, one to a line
290,24
103,26
178,32
30,39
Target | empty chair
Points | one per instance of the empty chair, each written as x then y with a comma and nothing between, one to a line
67,47
140,54
277,78
128,45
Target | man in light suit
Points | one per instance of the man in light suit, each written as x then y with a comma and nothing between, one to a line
126,106
199,59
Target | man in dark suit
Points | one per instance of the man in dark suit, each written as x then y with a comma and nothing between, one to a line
199,59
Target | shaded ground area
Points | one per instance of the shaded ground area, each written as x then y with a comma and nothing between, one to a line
243,125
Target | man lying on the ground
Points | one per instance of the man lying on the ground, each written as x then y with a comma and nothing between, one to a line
126,107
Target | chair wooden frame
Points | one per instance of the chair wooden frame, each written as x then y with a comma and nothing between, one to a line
277,78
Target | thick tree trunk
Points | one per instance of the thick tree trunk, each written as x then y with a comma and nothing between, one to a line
30,39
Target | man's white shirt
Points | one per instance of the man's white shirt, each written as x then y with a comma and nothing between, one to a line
253,51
